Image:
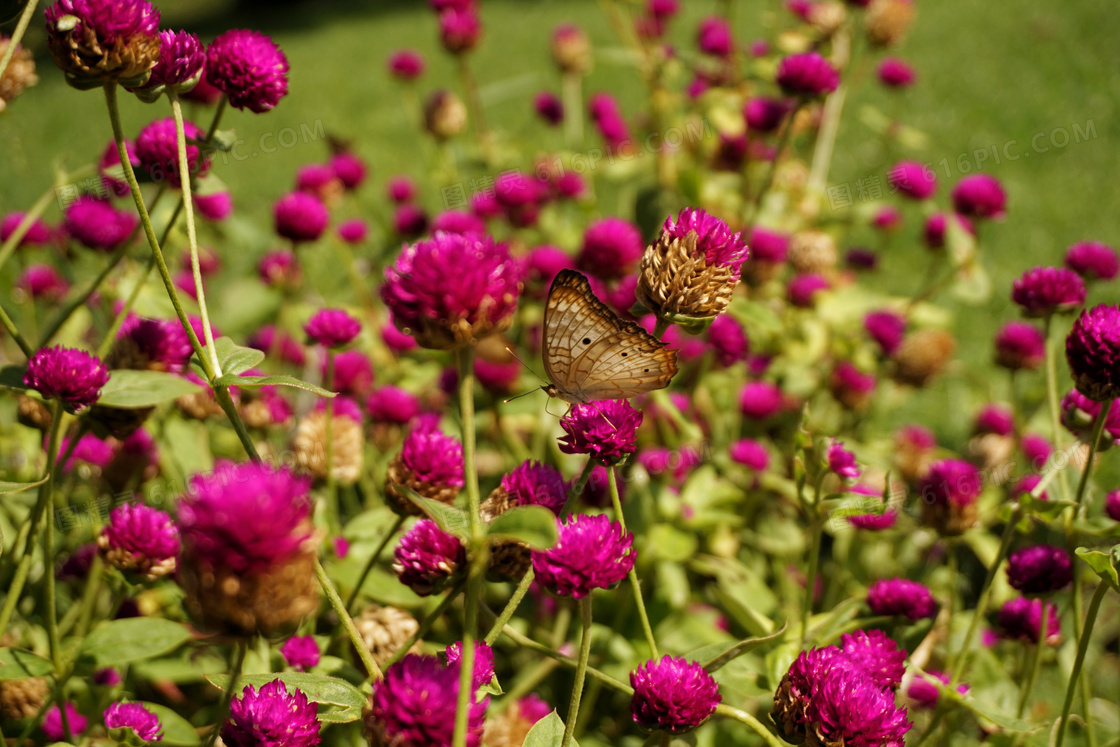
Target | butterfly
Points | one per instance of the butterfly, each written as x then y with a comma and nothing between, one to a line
591,354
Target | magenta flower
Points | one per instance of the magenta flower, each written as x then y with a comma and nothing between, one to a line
106,677
1020,346
353,231
1093,260
98,225
1093,353
272,717
73,376
592,553
154,344
1021,620
109,40
765,115
280,269
995,419
898,596
300,216
535,484
1079,412
143,722
181,59
410,221
951,481
390,404
750,454
886,328
317,179
427,558
52,723
483,661
458,221
353,373
760,400
140,540
714,37
400,189
349,169
768,246
459,29
406,64
803,289
611,248
673,694
1039,569
1112,505
452,290
38,234
520,197
301,652
980,196
841,461
935,228
415,705
728,340
924,694
606,430
895,73
719,245
851,387
1048,290
608,119
246,517
807,75
549,107
875,653
913,180
433,457
332,328
248,68
43,282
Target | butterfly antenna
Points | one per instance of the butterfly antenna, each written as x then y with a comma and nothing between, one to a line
519,396
523,363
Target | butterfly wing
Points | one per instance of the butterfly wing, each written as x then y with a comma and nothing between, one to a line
591,354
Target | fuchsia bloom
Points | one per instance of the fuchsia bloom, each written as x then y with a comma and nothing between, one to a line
390,404
768,246
1040,569
73,376
249,68
483,661
1037,449
458,221
1079,413
155,344
415,704
1020,346
353,373
925,694
349,169
317,179
898,596
913,180
134,716
1112,505
605,430
761,400
611,248
520,197
140,540
875,652
714,37
895,73
38,234
713,237
272,717
332,328
995,419
181,59
1048,290
750,454
935,228
1093,260
807,75
1093,353
765,115
841,461
876,521
300,216
406,64
549,107
280,269
592,553
673,694
353,231
803,289
951,481
452,289
608,119
535,484
427,557
1021,619
301,652
459,29
52,723
98,225
886,328
89,449
541,266
400,189
110,40
980,196
410,221
728,340
43,281
286,348
433,456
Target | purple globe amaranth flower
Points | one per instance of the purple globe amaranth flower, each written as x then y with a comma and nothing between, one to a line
1079,413
248,68
882,516
887,218
301,652
1020,346
452,290
1037,449
140,540
1112,505
549,107
807,75
980,196
851,387
1048,290
181,61
592,552
673,694
90,450
353,373
895,73
1093,260
430,463
898,596
887,329
765,115
760,400
1093,353
458,221
353,231
427,557
108,40
414,704
861,258
520,197
97,224
280,269
995,419
459,29
924,694
158,150
913,180
332,328
37,234
1039,569
728,340
136,717
611,249
151,344
215,207
400,189
803,289
541,266
876,654
1021,619
535,484
608,119
43,281
714,37
52,722
406,64
841,461
300,216
73,376
937,226
750,454
318,179
271,717
663,9
949,492
107,676
390,404
605,430
410,221
483,661
693,267
349,169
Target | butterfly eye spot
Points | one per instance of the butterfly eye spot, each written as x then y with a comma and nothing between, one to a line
624,354
646,371
587,341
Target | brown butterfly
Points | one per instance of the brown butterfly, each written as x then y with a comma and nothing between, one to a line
591,354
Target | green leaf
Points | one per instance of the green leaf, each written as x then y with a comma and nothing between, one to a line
451,519
985,711
744,647
233,358
224,139
548,732
12,377
1103,563
18,487
133,639
346,700
135,390
533,525
17,664
255,381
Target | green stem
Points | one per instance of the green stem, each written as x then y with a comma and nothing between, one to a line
36,210
218,112
17,35
816,529
571,85
66,311
373,561
474,103
755,725
426,624
1082,650
347,622
334,517
578,486
42,503
1036,660
242,648
581,670
10,326
1052,399
1094,444
612,483
768,180
511,607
